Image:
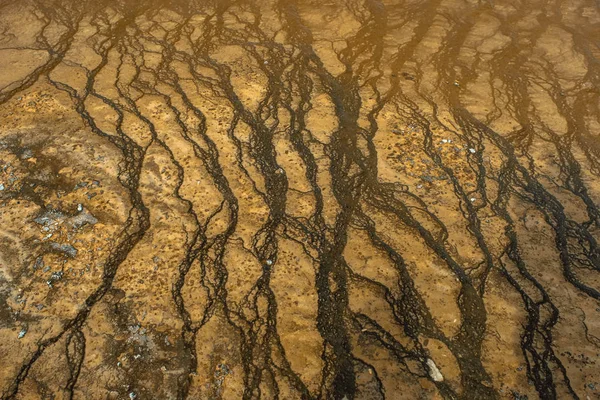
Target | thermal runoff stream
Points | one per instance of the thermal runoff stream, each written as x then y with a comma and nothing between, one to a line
299,199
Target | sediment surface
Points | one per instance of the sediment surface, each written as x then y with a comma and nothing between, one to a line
298,199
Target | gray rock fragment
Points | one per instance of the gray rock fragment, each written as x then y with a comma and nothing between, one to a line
39,263
22,333
26,154
65,249
56,275
49,217
82,219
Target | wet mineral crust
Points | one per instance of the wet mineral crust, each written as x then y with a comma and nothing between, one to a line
296,199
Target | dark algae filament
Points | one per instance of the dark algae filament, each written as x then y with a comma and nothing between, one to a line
297,199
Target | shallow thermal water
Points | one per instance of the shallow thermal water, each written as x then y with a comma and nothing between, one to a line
296,199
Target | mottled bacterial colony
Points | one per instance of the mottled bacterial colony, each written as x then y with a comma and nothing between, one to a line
299,199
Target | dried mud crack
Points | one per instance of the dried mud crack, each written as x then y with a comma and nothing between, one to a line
286,199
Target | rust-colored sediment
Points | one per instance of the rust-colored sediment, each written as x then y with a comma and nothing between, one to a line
290,199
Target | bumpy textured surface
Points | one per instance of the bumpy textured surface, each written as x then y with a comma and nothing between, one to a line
297,199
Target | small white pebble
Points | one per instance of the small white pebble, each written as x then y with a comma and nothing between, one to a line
473,199
419,186
132,395
434,372
269,262
472,150
80,207
22,333
1,186
444,140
